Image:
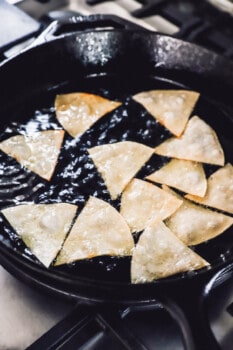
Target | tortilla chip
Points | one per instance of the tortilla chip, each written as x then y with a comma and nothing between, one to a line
159,253
219,193
38,152
77,112
119,162
193,224
171,108
42,227
198,143
142,201
99,230
184,175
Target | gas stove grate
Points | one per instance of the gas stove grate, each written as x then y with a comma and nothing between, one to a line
92,328
199,21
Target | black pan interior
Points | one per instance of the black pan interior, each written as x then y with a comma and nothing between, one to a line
31,107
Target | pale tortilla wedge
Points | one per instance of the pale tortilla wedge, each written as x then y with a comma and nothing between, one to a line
77,112
37,152
119,162
219,193
142,201
185,175
99,230
159,254
198,143
171,108
193,224
42,227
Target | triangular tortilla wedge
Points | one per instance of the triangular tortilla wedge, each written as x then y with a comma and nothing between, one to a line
198,143
99,230
37,152
185,175
193,224
119,162
77,112
219,190
171,108
159,253
42,227
142,201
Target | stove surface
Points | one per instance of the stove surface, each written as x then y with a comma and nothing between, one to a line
32,313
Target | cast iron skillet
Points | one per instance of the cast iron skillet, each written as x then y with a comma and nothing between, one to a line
115,63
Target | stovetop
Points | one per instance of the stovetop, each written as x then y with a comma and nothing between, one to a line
27,314
193,20
31,314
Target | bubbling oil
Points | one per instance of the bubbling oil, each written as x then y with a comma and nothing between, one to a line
76,178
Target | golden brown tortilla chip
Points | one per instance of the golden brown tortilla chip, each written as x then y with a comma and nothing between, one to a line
171,108
184,175
159,253
198,143
219,190
99,230
42,227
142,201
193,224
38,152
119,162
77,112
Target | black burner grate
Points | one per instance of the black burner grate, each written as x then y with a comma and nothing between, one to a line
199,22
98,328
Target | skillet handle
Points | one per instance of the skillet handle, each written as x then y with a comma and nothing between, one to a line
186,303
72,24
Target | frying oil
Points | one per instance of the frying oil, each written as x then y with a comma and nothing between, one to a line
76,178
